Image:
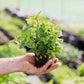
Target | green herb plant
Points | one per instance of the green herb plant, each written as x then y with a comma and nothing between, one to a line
42,37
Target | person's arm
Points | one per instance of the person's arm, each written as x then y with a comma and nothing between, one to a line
25,64
9,65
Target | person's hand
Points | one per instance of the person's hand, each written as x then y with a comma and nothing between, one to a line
28,65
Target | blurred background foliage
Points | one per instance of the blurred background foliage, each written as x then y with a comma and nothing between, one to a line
69,15
65,10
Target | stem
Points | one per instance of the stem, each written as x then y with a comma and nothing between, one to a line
37,23
37,27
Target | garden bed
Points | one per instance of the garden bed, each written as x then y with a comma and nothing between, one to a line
3,38
74,40
6,34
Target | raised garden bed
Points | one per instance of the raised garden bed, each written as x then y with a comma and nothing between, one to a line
10,26
3,38
70,54
6,34
11,50
64,74
73,40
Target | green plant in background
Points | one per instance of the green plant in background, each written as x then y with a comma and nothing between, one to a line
81,33
42,37
81,69
11,50
11,29
10,19
63,73
77,29
18,22
69,54
10,24
14,78
77,80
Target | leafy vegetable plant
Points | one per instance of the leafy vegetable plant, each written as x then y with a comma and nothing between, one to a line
11,50
81,69
42,37
14,78
63,73
70,54
11,24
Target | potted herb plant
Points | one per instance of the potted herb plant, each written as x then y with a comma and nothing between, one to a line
42,37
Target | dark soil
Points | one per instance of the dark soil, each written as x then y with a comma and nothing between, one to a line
72,65
46,78
82,59
74,40
40,61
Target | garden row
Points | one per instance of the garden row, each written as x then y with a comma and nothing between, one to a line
11,26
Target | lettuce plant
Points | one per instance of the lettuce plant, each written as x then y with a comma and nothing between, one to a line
70,54
63,73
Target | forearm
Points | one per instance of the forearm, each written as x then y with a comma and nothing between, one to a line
9,65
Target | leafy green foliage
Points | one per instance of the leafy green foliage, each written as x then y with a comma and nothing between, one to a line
14,78
76,80
41,36
81,33
11,50
79,80
81,69
69,54
63,73
10,24
77,29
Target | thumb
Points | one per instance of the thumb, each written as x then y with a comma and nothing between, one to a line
30,54
30,57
